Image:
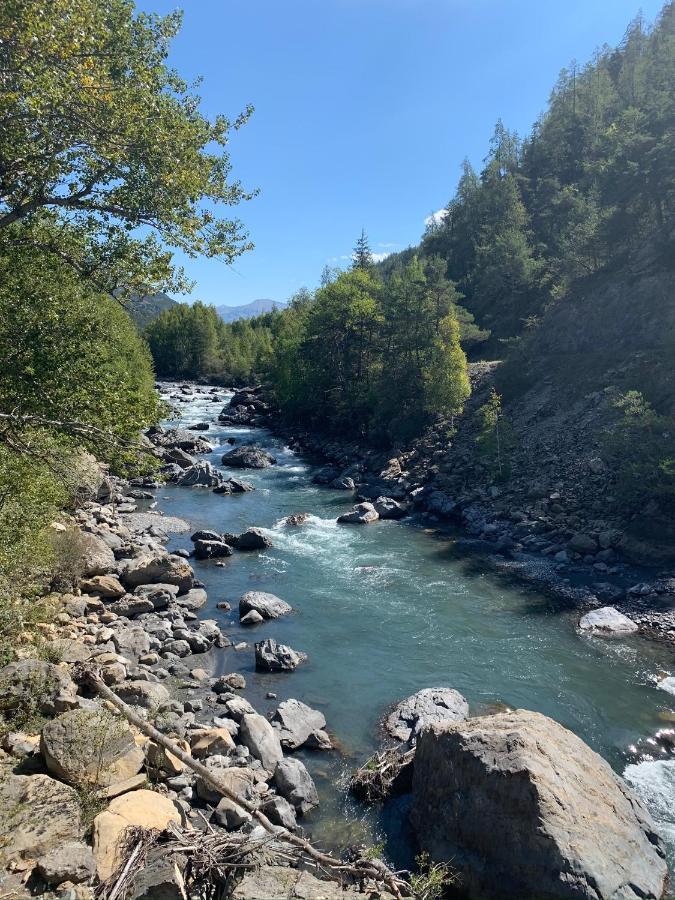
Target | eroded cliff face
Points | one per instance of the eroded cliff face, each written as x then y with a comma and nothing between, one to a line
521,807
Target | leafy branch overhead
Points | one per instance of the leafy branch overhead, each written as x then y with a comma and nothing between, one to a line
96,128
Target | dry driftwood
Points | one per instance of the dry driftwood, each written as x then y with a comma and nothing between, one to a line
361,870
384,775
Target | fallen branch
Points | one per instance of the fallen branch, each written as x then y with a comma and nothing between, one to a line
360,870
384,775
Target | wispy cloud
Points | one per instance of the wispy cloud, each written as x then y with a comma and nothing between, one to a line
378,257
436,218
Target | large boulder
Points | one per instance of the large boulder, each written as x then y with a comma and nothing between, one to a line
388,508
106,586
253,539
72,861
248,456
140,809
90,746
212,549
269,606
607,620
236,779
33,682
147,695
295,722
37,813
95,557
273,657
160,567
294,782
256,733
201,474
362,514
521,807
426,706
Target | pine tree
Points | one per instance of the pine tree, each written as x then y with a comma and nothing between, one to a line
362,255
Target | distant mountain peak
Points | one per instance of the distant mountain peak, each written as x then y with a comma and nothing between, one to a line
248,310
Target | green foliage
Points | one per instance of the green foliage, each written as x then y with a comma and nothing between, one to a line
432,880
363,255
106,165
194,342
495,439
641,450
595,178
94,124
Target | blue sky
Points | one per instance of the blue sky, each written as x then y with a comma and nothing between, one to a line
365,110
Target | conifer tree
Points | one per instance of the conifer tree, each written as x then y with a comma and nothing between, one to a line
362,255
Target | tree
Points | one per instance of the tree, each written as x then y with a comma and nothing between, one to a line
362,255
97,130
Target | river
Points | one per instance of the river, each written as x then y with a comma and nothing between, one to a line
386,609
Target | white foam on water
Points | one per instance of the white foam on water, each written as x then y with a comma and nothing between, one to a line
654,783
667,684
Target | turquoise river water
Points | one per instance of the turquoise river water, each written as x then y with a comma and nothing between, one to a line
386,609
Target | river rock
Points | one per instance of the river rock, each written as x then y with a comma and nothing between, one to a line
428,705
131,606
295,722
106,586
248,456
256,733
280,812
342,483
294,782
583,544
193,599
362,514
291,884
388,508
201,474
251,618
132,642
181,437
212,549
90,746
160,567
72,861
269,606
95,557
238,779
140,809
38,814
230,815
521,807
38,683
204,534
607,620
147,695
273,657
179,457
253,539
210,741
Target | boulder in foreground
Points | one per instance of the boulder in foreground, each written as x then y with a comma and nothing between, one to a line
521,807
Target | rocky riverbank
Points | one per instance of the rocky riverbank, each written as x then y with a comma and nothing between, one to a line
76,777
541,530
